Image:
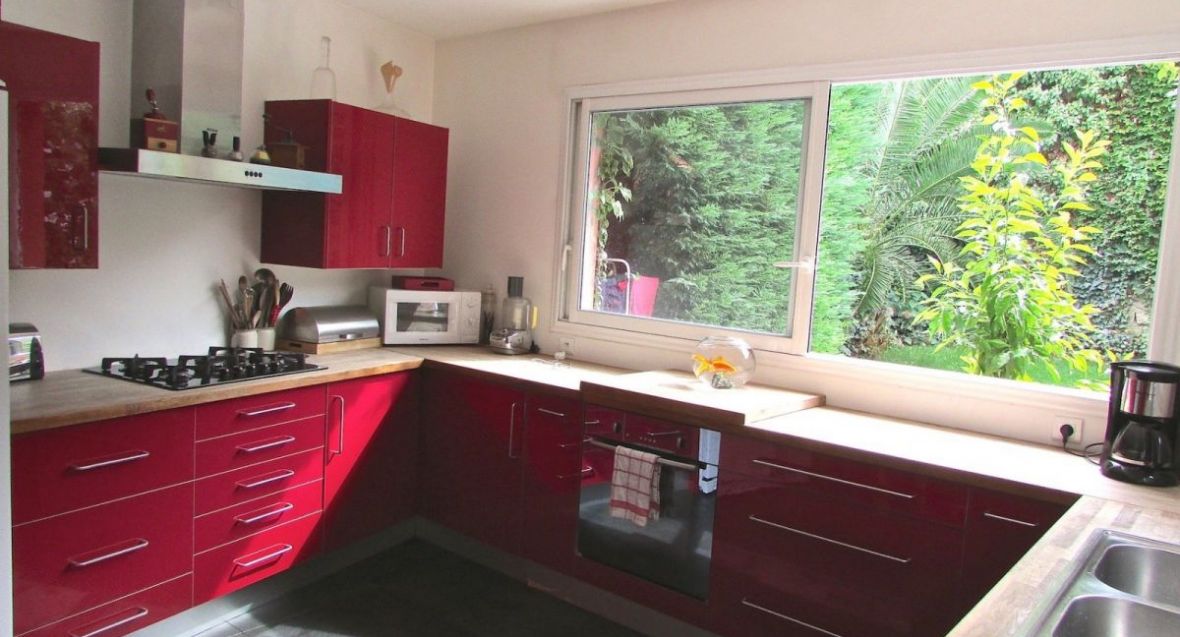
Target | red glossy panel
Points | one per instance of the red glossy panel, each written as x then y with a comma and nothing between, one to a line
232,524
308,121
553,473
272,476
604,422
253,412
358,221
472,436
662,434
50,473
419,194
874,486
258,445
117,548
233,566
293,228
128,614
369,485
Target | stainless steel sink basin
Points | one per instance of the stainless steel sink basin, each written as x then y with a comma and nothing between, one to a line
1102,616
1122,586
1144,572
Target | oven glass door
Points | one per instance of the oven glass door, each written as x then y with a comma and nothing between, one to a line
674,550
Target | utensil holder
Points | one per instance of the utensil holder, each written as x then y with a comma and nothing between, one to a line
266,338
247,338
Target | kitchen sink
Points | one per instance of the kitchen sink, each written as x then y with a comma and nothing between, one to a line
1123,585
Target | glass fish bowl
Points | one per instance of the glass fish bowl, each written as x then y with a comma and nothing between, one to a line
723,362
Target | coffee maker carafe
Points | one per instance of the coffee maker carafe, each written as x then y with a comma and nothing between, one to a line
1142,425
516,322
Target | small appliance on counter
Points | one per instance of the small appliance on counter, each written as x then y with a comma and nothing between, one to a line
517,320
329,328
25,359
426,317
1143,424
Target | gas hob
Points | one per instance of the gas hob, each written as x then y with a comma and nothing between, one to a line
221,365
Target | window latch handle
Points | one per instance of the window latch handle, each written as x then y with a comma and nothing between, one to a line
806,263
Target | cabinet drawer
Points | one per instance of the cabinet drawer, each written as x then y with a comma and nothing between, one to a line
255,481
873,486
126,615
73,562
73,467
252,412
258,445
661,434
233,566
228,525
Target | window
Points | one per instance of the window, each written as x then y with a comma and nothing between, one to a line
701,212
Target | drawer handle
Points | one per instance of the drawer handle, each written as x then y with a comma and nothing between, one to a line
122,548
747,602
551,412
908,496
570,445
279,509
586,471
279,551
266,410
112,622
110,461
269,444
251,483
989,514
899,560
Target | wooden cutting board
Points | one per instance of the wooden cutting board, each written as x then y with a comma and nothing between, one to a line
679,396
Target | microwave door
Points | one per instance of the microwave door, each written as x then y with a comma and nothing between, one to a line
429,318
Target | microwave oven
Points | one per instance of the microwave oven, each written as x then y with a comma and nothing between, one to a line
426,317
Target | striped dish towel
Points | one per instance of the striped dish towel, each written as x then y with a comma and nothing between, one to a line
635,486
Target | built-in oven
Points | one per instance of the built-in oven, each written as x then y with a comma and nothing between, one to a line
675,549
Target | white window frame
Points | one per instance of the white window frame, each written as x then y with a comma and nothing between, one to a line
583,249
997,406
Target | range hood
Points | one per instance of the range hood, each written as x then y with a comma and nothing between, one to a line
190,53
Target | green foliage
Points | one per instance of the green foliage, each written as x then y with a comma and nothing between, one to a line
1010,303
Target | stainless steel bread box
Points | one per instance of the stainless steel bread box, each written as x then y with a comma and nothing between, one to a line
330,324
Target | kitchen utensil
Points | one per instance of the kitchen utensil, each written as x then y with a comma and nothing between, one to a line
235,319
286,291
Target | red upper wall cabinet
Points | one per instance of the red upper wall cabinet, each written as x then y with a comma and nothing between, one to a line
53,148
391,212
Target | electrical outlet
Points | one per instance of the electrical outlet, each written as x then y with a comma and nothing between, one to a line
566,344
1077,422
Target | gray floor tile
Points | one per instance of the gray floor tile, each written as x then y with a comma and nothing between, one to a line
225,629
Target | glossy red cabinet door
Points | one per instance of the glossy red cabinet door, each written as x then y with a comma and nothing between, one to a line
53,90
126,615
233,566
419,194
369,475
553,473
472,439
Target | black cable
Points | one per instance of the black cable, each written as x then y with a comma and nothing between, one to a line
1085,452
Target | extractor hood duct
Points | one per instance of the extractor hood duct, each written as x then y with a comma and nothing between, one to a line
190,53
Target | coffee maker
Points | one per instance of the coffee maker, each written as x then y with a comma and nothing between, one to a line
516,322
1143,423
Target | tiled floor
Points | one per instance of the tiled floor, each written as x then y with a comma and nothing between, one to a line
417,589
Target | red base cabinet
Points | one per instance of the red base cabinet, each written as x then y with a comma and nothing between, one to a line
371,456
53,90
553,473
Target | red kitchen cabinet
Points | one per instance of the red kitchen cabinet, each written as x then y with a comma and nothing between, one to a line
472,438
371,456
553,474
233,566
126,615
1001,528
392,208
53,90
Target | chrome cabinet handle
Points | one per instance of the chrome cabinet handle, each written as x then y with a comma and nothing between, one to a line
269,444
747,602
899,560
280,550
570,445
551,412
129,546
85,228
282,508
110,461
899,494
401,251
586,471
112,622
989,514
512,432
388,243
266,410
253,483
340,432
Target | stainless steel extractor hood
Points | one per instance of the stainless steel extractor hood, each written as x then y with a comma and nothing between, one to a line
190,53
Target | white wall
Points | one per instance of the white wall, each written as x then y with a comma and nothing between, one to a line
502,96
162,244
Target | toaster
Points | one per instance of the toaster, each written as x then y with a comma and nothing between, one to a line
25,359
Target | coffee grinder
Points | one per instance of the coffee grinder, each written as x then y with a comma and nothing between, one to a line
1142,426
516,322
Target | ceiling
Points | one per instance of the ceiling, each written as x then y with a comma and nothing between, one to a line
452,18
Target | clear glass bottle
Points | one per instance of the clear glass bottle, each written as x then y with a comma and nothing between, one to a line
323,80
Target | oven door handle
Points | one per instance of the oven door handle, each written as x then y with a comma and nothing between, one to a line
667,462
